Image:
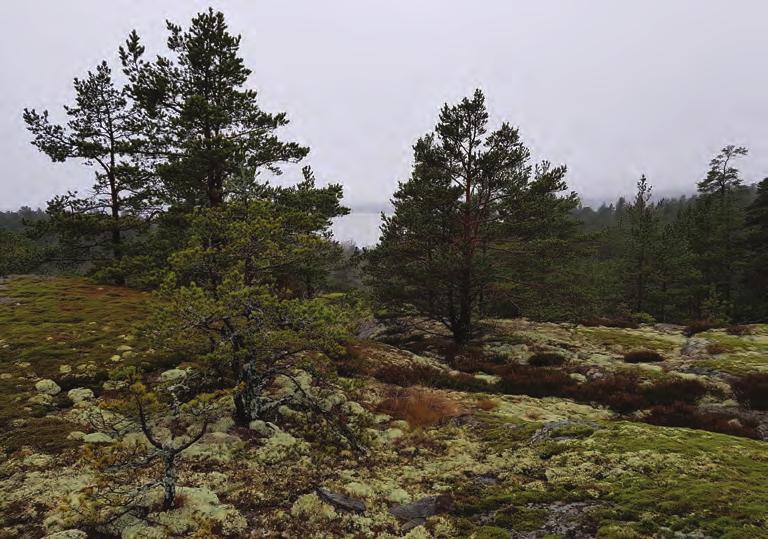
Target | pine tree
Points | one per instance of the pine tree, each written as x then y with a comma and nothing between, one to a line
755,282
472,199
205,126
102,131
642,239
720,196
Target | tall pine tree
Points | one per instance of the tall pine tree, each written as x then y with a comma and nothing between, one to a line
471,193
205,125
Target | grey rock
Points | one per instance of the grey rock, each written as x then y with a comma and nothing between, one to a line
341,501
422,509
694,347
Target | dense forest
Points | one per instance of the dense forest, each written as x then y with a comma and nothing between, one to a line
251,325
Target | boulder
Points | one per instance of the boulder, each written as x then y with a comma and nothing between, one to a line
97,438
47,387
422,509
694,347
41,399
341,501
80,394
173,375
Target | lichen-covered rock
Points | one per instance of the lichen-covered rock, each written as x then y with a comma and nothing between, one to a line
173,375
47,387
67,534
41,399
97,438
80,394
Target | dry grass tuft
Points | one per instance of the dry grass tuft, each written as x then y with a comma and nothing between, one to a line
420,407
487,404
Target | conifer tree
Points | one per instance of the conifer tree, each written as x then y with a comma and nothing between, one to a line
205,125
103,131
471,194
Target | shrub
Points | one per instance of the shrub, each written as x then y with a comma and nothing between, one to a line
680,414
620,392
675,390
535,382
625,323
699,326
546,359
643,356
715,348
425,375
752,391
420,408
739,330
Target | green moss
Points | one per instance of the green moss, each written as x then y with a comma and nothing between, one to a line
629,339
737,364
490,532
52,322
524,519
45,434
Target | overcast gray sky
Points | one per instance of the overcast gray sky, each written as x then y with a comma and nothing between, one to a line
611,88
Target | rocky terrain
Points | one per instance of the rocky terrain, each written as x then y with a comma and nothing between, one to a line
539,430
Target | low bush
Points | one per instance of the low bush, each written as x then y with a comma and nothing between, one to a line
534,381
643,356
739,330
716,348
546,359
625,323
699,326
420,408
752,391
428,376
620,392
675,390
680,414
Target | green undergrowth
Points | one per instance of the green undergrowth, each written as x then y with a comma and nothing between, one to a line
640,480
63,322
628,339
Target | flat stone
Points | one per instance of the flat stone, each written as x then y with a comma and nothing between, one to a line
97,438
341,501
67,534
422,509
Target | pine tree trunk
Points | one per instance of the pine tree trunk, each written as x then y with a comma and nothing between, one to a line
169,481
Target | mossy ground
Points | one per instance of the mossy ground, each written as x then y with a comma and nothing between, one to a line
47,325
593,473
